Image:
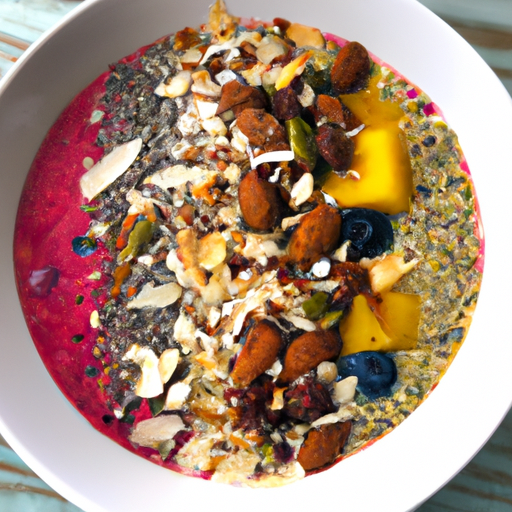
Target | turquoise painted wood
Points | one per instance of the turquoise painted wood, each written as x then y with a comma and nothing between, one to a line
485,485
21,490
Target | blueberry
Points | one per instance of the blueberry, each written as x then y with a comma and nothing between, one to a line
376,372
369,231
83,246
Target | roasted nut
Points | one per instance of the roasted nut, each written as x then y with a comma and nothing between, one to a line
260,202
258,354
262,129
329,109
307,351
336,148
322,446
351,69
316,235
237,97
286,104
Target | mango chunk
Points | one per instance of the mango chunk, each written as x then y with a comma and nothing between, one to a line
394,326
400,317
385,176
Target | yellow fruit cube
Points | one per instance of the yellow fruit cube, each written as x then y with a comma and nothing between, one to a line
400,318
384,178
392,326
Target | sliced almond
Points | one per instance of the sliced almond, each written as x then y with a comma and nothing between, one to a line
303,189
167,363
156,430
159,297
109,168
149,384
270,48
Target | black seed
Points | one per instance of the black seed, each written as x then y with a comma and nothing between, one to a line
77,338
108,419
91,371
429,141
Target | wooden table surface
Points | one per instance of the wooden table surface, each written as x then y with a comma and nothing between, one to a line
485,485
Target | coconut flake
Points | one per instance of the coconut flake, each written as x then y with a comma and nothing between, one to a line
330,200
177,175
355,131
271,156
109,168
159,297
300,322
167,363
321,268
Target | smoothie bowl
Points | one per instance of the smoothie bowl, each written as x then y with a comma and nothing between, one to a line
216,280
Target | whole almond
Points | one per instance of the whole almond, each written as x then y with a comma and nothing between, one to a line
351,69
258,354
317,235
307,351
323,446
260,202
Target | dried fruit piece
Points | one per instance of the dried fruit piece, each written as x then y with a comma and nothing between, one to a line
262,129
237,97
351,69
41,282
336,148
308,401
316,235
188,252
292,69
260,202
259,353
186,38
286,104
323,445
307,351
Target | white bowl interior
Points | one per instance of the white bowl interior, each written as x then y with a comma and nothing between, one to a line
399,471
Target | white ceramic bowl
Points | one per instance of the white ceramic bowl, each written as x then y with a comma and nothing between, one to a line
417,458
